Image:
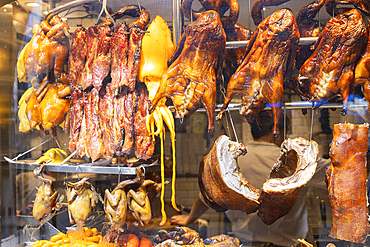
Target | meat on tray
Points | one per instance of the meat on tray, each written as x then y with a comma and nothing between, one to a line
346,179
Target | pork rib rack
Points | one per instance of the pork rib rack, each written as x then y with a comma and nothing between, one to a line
190,81
346,181
259,78
330,68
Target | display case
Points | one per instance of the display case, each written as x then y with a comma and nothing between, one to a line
211,58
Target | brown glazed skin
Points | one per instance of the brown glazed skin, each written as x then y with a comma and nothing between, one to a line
363,5
190,80
215,191
362,70
330,68
346,181
259,78
257,8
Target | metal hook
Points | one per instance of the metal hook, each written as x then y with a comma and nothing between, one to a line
20,155
104,9
312,115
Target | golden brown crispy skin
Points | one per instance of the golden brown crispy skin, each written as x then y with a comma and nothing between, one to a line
346,181
220,6
190,81
269,56
330,68
257,8
362,70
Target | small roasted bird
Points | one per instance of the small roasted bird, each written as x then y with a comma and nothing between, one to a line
82,198
190,80
46,197
269,57
115,202
330,68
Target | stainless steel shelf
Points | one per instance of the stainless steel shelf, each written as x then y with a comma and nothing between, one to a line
120,169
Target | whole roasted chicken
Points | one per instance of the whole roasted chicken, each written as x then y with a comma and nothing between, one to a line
46,197
220,6
269,57
190,80
330,68
116,202
82,198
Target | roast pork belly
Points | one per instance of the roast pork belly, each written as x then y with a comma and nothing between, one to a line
294,168
330,68
269,57
346,180
221,182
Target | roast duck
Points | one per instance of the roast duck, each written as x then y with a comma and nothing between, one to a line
346,179
184,236
269,57
82,199
224,187
294,168
46,196
108,111
330,68
190,80
130,201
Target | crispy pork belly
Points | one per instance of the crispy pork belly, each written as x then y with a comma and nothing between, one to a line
221,182
293,169
190,81
77,56
346,180
269,55
330,68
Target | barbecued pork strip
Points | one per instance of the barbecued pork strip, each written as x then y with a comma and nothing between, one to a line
77,56
95,147
330,68
102,62
119,50
269,56
82,136
106,112
294,168
133,60
91,48
346,180
76,116
144,143
128,120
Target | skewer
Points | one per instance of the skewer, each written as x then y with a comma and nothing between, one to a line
20,155
312,115
104,9
68,158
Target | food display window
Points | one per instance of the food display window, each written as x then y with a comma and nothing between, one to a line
184,123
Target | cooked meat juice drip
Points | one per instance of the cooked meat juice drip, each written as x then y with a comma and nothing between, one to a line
119,50
91,48
330,68
106,111
77,57
346,180
102,62
144,143
190,81
269,55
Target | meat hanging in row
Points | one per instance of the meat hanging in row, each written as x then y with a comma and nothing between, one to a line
106,100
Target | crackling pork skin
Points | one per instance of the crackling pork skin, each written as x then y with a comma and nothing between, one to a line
330,68
221,182
346,181
190,81
269,55
294,168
